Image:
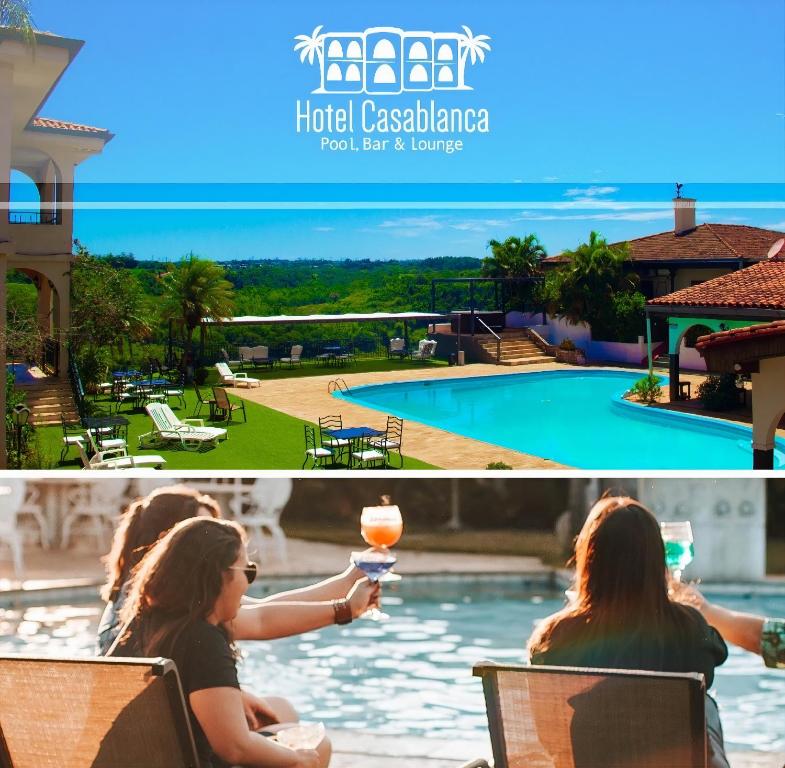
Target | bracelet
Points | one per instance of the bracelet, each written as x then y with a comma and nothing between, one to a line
342,611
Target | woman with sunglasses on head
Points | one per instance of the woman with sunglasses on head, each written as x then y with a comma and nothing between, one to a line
334,600
182,602
622,616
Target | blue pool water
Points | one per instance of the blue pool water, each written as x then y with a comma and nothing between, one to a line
21,372
412,674
577,418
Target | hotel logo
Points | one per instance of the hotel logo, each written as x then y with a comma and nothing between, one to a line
389,60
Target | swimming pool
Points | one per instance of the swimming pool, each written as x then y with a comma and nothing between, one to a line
412,674
21,373
577,418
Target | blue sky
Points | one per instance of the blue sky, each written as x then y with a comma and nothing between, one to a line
595,94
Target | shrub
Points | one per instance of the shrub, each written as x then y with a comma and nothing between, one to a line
93,365
719,393
568,345
647,389
498,465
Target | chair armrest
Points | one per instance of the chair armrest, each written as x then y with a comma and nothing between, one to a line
241,375
476,764
193,422
111,453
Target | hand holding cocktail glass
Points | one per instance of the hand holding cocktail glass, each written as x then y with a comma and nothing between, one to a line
381,527
679,549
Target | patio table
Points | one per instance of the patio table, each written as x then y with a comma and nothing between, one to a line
100,423
354,433
126,374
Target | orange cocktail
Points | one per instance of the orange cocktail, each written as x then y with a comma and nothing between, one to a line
382,534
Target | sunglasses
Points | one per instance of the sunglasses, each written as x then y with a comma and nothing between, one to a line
249,569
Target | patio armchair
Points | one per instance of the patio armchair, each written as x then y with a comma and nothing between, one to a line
260,355
295,356
119,458
177,390
318,454
95,503
73,434
335,444
573,717
259,511
100,441
225,357
397,348
10,535
101,712
392,440
200,401
191,434
363,454
224,405
241,379
426,350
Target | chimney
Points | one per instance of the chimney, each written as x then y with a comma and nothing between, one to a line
683,214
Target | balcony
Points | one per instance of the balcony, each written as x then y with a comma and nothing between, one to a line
34,217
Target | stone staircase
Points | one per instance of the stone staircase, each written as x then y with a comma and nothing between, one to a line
47,399
516,349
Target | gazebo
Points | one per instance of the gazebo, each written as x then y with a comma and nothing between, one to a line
758,350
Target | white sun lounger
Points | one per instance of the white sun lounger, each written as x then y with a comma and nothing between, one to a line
240,379
192,434
118,458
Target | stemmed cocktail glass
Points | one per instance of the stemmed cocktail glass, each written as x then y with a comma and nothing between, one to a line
679,549
381,527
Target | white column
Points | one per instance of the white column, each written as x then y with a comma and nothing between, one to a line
768,401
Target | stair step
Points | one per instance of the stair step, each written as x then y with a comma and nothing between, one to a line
526,360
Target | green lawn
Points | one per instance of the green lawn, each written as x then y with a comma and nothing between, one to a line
269,440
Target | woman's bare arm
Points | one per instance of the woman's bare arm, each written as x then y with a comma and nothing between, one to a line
329,589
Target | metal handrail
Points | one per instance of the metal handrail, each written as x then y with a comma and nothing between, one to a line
337,385
34,217
496,336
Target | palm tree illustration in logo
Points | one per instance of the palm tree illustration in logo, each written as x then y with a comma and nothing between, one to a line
310,46
470,46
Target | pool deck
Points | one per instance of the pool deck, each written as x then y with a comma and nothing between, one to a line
307,398
76,573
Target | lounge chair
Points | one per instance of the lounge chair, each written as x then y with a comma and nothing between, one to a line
397,348
318,454
99,712
240,379
224,405
294,356
572,717
392,440
192,434
99,441
119,458
426,350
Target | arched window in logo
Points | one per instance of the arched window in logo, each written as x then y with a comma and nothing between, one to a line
418,52
444,54
352,74
353,51
445,75
385,74
419,74
335,50
384,49
334,73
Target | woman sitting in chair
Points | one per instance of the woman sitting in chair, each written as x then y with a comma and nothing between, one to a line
621,616
335,600
183,604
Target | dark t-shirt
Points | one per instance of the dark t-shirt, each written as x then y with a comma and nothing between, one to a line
204,659
687,644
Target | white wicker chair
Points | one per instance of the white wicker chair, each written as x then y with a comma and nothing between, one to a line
259,511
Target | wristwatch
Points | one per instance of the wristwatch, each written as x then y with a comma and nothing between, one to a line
343,611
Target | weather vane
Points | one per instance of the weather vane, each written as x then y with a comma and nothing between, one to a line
678,190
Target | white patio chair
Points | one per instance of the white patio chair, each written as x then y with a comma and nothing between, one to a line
295,356
397,348
98,503
106,444
259,510
32,507
260,355
192,434
12,495
241,379
119,458
426,350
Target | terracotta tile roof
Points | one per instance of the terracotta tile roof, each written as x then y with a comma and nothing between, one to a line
761,286
63,125
762,331
706,241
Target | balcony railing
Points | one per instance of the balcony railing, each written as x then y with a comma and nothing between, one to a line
34,217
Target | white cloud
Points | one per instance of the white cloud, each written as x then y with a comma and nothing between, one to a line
589,193
550,178
626,216
776,225
324,229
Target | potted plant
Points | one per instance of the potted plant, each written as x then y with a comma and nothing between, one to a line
567,352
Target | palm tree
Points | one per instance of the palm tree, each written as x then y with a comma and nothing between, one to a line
469,45
16,15
515,257
584,287
310,46
194,289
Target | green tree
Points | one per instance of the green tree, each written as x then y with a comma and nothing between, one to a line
584,288
16,14
515,257
194,289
